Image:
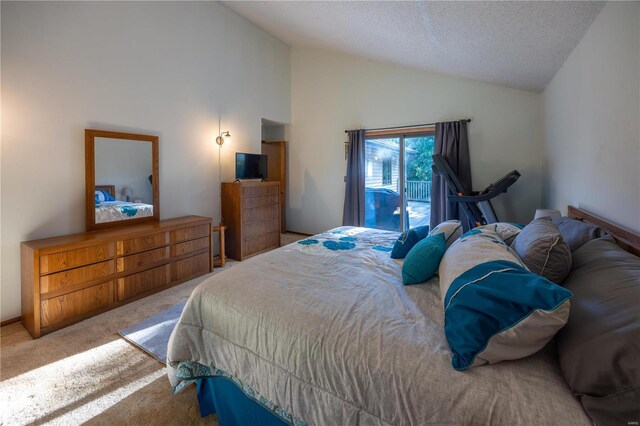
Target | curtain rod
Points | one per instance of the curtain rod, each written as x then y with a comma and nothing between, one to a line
468,120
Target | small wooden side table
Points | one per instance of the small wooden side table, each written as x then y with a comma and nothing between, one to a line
222,258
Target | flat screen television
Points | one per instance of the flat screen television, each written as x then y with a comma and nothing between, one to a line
251,166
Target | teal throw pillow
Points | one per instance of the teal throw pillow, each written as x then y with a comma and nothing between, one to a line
423,259
407,240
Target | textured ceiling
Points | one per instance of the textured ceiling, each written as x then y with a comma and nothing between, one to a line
514,44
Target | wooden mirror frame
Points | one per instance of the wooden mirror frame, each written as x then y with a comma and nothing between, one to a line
90,177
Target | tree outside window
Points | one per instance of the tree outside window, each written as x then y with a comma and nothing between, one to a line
419,168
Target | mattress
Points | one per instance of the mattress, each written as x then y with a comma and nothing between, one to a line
324,332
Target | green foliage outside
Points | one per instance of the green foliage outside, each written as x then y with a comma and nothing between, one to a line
419,167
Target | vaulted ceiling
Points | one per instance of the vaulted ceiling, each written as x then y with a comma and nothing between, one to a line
520,44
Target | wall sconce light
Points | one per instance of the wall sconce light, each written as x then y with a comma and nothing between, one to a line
220,138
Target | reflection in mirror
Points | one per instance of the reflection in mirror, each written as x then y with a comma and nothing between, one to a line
123,188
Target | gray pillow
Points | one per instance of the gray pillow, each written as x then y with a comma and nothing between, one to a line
599,347
576,233
542,248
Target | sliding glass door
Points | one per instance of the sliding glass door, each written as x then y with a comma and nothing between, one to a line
398,181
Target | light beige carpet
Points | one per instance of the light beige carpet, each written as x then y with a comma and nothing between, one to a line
86,373
290,237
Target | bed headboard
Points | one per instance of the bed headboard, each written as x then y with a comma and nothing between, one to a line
626,238
111,189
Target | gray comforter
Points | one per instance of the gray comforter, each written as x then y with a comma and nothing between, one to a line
326,331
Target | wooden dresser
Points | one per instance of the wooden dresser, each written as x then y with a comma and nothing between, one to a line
251,212
70,278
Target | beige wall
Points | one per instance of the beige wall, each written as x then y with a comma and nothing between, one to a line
332,92
591,119
161,68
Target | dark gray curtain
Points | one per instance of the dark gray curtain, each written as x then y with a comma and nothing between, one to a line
353,213
452,142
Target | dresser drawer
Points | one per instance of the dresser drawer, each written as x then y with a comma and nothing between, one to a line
191,266
146,242
144,281
262,243
73,258
253,191
140,260
76,276
263,213
190,233
189,246
58,309
264,200
257,229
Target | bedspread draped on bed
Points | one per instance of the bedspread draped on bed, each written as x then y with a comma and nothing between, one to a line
110,211
325,332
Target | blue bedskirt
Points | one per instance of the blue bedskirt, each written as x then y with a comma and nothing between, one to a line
220,395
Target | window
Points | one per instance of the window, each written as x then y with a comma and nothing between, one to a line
386,171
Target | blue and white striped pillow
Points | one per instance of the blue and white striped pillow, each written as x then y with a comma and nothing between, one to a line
495,309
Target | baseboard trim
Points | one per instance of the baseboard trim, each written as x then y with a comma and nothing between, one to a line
298,233
10,321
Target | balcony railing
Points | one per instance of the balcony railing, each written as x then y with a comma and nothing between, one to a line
417,190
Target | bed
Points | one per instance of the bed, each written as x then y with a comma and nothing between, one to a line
323,332
110,211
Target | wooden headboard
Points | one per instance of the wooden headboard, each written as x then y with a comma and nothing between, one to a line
627,239
111,189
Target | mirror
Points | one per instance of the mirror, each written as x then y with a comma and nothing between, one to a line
121,178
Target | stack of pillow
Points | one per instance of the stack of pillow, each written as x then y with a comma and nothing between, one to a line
496,283
500,288
539,245
496,308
